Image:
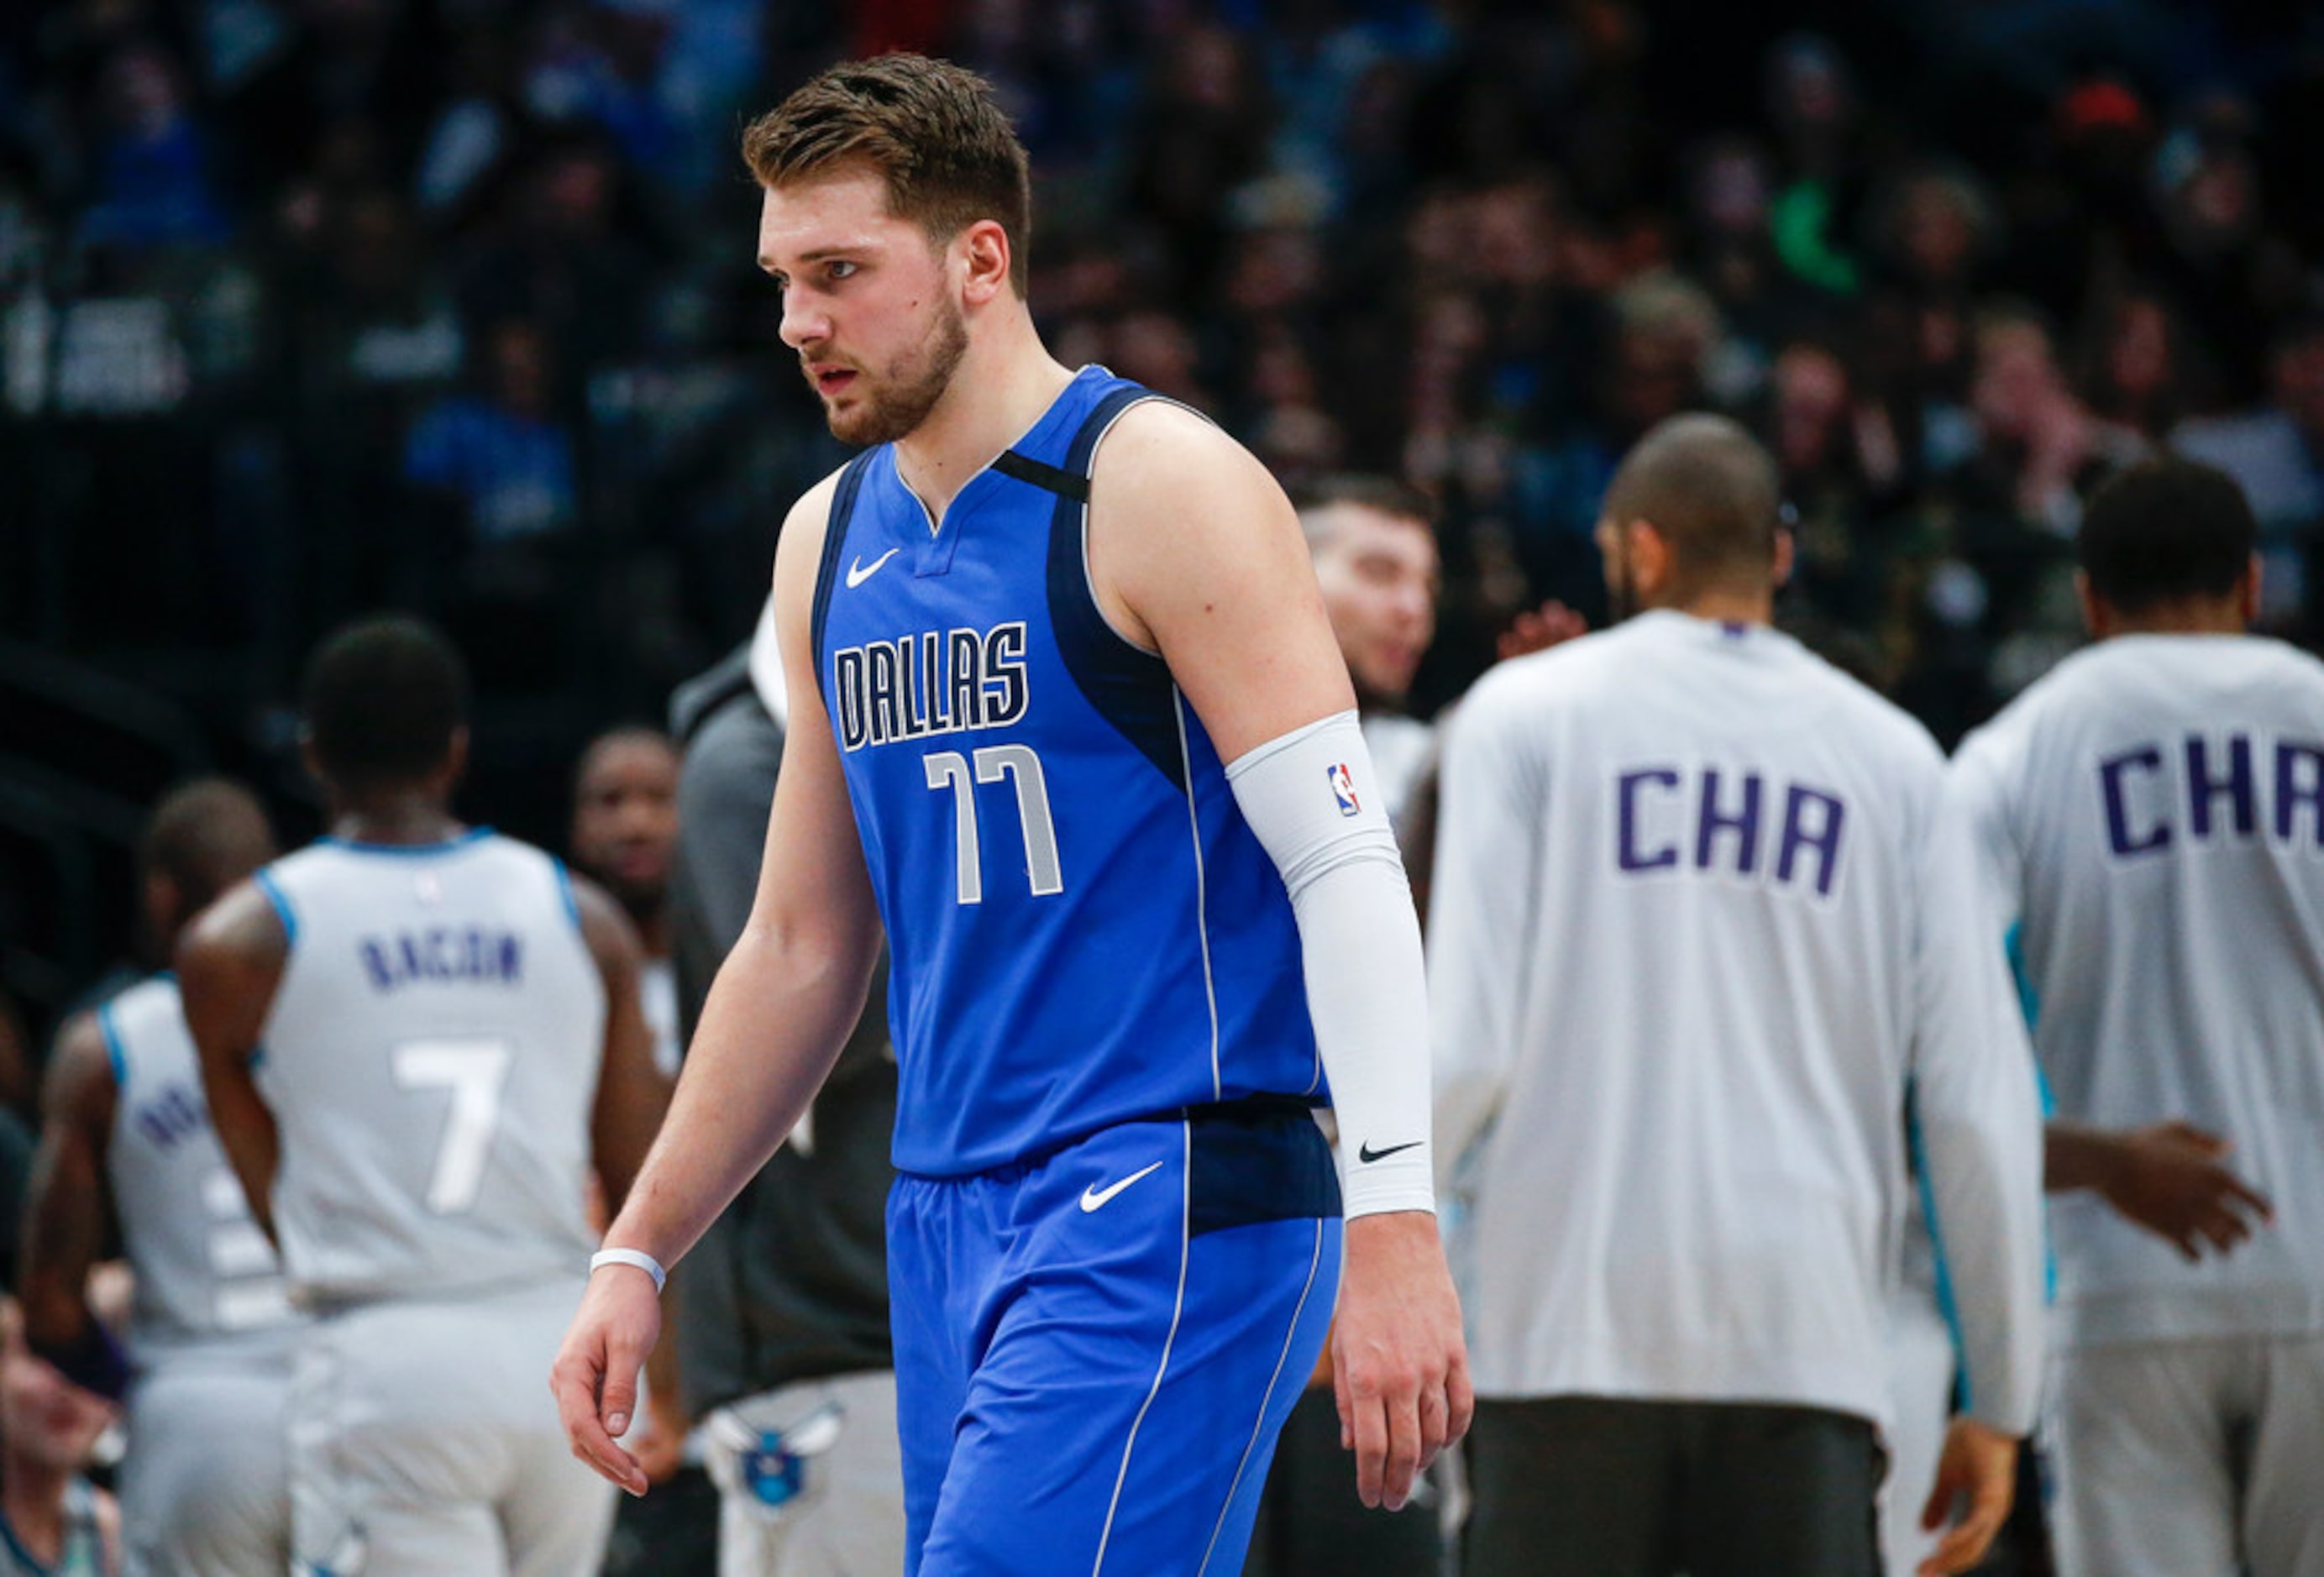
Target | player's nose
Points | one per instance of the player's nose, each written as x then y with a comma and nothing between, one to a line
804,323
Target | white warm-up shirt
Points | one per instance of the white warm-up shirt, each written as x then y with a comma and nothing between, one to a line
2152,816
1700,914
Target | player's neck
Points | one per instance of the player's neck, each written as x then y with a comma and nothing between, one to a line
1728,606
393,818
1003,384
2190,616
32,1498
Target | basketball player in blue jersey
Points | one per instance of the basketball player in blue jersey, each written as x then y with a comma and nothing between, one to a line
1068,717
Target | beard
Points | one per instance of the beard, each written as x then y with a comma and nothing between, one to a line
900,399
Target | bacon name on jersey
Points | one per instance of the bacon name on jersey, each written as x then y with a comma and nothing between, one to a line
933,682
1711,818
2213,788
442,953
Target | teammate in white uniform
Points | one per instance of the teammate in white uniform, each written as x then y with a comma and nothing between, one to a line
1699,920
417,1039
2151,815
126,1138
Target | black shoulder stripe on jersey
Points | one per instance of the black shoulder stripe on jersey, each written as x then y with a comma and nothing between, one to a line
834,539
1041,474
1131,688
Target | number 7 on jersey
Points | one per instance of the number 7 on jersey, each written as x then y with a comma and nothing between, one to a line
950,768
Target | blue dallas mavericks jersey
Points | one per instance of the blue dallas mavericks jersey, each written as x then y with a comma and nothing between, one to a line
1084,929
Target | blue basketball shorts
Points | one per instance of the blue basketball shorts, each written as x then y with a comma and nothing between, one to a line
1096,1349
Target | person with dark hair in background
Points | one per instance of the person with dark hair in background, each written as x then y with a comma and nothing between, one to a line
625,828
1091,753
2148,819
781,1312
1699,926
417,1038
126,1145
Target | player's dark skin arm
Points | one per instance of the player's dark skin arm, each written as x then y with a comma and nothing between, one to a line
69,1207
631,1093
229,966
2170,1178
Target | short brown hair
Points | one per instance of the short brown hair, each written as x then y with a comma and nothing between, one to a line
929,129
1712,492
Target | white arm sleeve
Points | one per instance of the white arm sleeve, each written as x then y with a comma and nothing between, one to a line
1316,805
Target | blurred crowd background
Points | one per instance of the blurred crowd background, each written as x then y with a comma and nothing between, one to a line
311,307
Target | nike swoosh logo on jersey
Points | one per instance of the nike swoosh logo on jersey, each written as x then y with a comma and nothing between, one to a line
1368,1155
857,574
1096,1198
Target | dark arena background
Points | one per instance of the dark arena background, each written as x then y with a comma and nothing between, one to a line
310,307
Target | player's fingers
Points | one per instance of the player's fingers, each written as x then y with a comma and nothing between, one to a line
618,1397
1965,1545
2209,1143
1369,1422
2250,1196
1435,1412
1938,1508
1460,1400
1346,1402
574,1380
1400,1463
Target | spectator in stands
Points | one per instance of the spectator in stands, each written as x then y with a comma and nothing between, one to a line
625,825
53,1522
2277,454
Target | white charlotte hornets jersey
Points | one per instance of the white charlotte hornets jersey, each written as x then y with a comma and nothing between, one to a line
1698,916
2152,813
204,1270
432,1058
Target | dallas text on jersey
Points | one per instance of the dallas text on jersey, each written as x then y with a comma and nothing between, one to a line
947,681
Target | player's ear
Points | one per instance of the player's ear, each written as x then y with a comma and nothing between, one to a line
2098,618
983,251
455,759
1651,563
1787,547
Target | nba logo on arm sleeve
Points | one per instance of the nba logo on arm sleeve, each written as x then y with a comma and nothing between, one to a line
1344,788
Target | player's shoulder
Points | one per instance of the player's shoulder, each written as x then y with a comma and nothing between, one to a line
1158,445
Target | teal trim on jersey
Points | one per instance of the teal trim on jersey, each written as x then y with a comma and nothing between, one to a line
2029,1000
1917,1159
565,891
113,1052
410,851
282,902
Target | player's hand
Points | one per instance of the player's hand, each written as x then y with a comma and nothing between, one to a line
1977,1474
595,1377
2171,1180
1538,629
1400,1369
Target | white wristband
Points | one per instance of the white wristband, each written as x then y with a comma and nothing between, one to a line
637,1258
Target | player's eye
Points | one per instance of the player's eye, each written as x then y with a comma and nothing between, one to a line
839,269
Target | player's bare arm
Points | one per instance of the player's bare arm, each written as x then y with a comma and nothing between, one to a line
774,1021
1196,554
2172,1178
229,964
69,1204
632,1092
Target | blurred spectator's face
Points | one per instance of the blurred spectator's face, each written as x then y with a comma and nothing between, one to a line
1937,234
45,1417
2299,377
1811,400
2138,356
1515,237
868,304
1731,195
1274,271
1156,350
1379,572
625,817
2016,376
141,93
520,368
1656,374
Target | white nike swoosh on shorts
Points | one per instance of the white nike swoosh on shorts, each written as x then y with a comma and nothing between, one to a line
1096,1198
